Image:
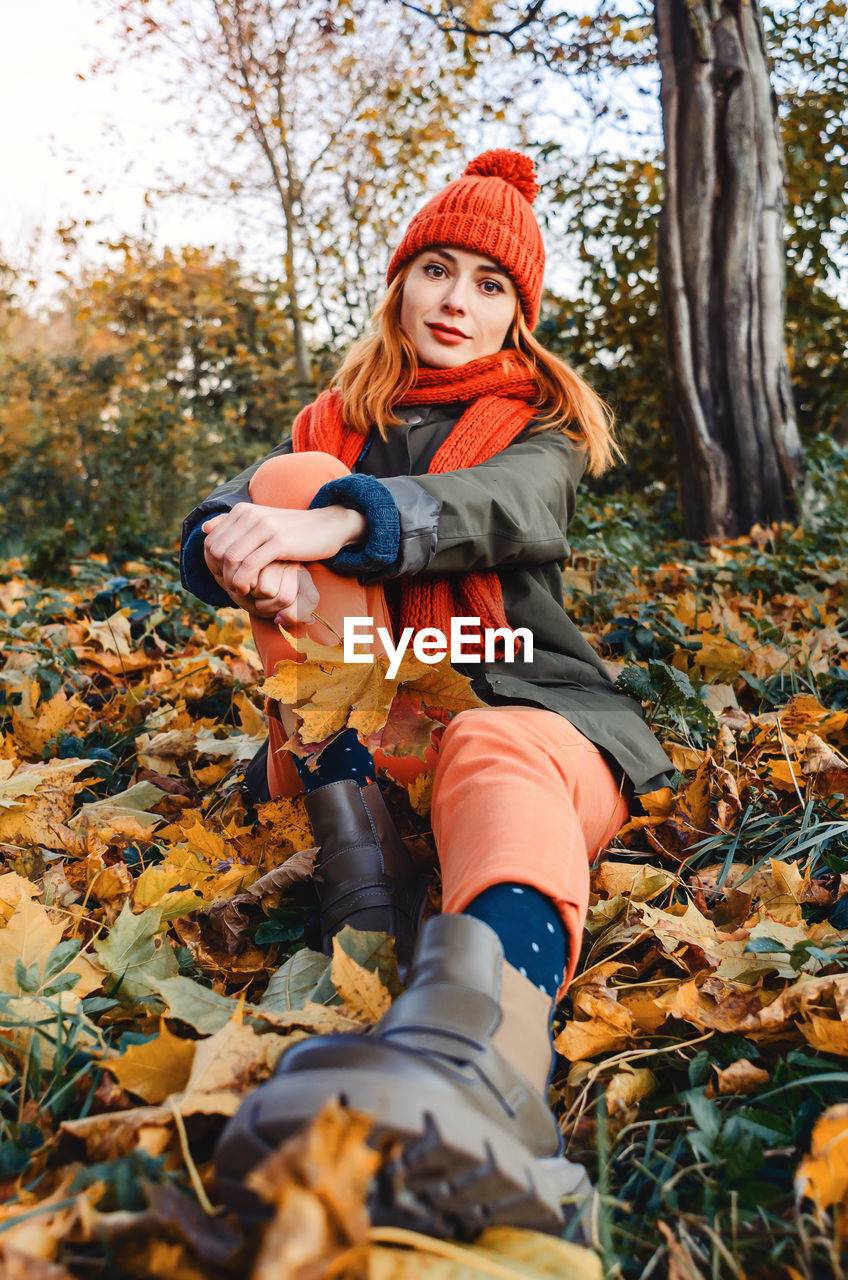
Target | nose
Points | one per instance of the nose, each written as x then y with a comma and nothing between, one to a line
454,301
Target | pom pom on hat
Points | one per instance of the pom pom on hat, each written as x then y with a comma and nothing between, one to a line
487,211
516,169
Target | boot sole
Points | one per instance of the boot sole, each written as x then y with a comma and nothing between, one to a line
452,1172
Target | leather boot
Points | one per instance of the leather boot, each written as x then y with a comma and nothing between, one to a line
475,1141
365,875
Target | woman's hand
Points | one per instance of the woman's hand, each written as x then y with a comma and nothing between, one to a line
284,592
242,542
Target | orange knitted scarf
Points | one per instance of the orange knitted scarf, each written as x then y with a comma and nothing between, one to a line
499,392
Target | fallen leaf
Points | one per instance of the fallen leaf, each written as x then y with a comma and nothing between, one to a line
115,1134
317,1182
628,1087
199,1007
508,1253
294,984
227,1066
823,1174
156,1069
740,1077
131,956
363,993
607,1027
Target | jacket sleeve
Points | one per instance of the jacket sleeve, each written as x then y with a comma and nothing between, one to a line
513,509
194,571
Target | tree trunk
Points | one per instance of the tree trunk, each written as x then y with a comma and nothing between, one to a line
722,269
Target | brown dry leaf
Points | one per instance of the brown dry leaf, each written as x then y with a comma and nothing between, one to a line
317,1182
317,1019
636,879
113,635
369,710
800,888
109,885
363,993
740,1077
42,817
268,890
727,1015
325,692
710,799
156,1069
117,1133
34,722
629,1086
682,932
421,791
39,1235
657,806
15,889
785,774
162,751
608,1027
156,1258
227,1066
645,1011
686,759
288,822
440,686
17,1265
736,1008
823,1174
825,1034
328,694
170,1214
826,767
805,714
510,1253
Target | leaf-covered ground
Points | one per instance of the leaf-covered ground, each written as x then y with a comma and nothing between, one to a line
157,950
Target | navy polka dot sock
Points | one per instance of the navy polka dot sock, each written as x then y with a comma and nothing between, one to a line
530,929
344,758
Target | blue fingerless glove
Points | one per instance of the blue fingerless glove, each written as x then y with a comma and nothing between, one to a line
195,572
373,499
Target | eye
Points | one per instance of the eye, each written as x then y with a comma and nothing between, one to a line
495,289
435,266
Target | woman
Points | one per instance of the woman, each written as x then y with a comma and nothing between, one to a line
436,480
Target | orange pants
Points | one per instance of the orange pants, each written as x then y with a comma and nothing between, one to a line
519,794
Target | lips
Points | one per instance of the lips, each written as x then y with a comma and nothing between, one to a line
446,333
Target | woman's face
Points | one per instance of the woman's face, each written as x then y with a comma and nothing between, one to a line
457,306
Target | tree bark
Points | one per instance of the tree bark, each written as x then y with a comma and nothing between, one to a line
722,269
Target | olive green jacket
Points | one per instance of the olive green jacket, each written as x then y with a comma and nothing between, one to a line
509,514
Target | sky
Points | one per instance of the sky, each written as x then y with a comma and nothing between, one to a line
77,146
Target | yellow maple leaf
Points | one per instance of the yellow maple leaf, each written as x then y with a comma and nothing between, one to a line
156,1069
35,722
227,1065
362,991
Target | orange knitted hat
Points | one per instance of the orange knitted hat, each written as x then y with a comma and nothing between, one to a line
488,211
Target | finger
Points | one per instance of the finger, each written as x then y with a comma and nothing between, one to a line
242,563
211,559
249,545
278,581
300,610
234,528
